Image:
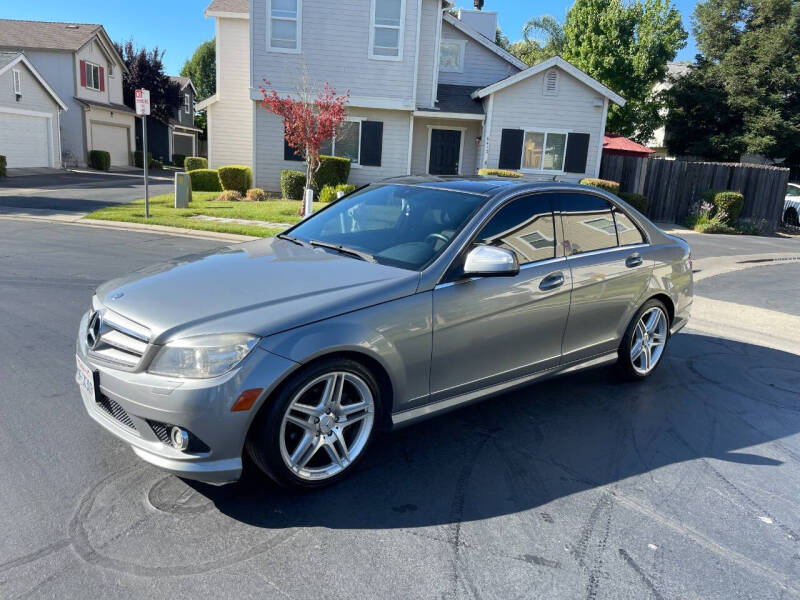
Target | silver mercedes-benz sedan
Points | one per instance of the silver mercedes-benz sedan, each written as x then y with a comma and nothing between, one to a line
395,303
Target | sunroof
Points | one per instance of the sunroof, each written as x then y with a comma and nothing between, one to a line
473,186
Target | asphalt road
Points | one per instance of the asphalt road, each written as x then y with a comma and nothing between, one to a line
685,486
76,192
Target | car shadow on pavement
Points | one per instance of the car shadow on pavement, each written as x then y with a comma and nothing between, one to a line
711,398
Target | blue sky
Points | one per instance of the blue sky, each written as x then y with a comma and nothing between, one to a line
178,26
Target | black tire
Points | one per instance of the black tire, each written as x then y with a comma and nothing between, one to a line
625,366
790,217
263,440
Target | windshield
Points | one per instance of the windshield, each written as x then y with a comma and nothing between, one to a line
399,225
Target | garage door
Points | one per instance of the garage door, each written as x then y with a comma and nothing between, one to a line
182,144
113,140
24,140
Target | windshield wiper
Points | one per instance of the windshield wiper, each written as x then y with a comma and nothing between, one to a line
345,250
289,238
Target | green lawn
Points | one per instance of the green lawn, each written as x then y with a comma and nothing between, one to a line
205,203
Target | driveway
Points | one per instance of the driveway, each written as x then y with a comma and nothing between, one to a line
76,192
684,486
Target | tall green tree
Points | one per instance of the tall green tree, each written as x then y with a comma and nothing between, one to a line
202,69
626,46
146,70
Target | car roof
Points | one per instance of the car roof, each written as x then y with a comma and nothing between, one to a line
483,186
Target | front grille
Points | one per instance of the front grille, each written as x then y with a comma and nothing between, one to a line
161,430
116,411
116,339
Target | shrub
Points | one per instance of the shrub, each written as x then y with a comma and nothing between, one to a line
156,164
333,170
726,201
256,195
177,160
3,164
192,163
603,184
637,201
100,160
292,184
137,159
230,196
330,193
236,177
205,180
498,173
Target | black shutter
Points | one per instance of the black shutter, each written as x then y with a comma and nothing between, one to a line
577,151
289,154
511,149
371,143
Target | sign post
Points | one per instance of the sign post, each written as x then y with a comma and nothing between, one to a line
143,109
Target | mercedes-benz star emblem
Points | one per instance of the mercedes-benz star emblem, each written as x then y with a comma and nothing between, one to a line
93,331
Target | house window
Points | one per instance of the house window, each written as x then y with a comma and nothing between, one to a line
187,103
17,82
284,25
92,76
544,151
451,55
550,83
346,143
386,33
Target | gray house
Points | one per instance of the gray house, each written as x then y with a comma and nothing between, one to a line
79,62
429,92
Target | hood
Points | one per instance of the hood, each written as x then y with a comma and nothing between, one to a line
259,287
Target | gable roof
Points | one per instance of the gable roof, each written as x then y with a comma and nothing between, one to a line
48,35
484,41
10,59
618,143
562,64
229,8
183,82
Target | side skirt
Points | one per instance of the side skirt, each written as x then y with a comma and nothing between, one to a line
410,416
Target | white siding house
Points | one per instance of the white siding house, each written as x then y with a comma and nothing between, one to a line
430,93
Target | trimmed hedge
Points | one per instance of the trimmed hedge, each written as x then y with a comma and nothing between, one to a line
637,201
236,177
230,196
603,184
156,164
192,163
205,180
100,160
137,159
256,195
177,160
498,173
3,164
292,184
329,193
727,201
333,170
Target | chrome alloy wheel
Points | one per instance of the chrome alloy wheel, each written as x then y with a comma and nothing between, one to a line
327,425
649,339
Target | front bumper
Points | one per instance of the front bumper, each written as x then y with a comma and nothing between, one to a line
201,406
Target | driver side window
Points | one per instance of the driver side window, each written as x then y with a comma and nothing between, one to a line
525,226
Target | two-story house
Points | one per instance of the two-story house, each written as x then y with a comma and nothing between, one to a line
81,65
429,92
177,135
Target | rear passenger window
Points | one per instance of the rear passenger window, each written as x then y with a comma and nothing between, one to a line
627,232
525,226
588,223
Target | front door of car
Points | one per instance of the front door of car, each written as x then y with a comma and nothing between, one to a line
487,330
611,269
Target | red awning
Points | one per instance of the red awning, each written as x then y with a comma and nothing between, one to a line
618,143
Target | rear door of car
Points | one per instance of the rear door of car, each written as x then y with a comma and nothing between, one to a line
610,267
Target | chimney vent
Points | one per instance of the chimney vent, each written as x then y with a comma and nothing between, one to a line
478,4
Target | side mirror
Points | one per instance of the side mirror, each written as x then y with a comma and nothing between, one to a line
490,261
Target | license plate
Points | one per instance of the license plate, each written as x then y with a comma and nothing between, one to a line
85,378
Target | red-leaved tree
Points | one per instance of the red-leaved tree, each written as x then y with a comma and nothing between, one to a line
308,121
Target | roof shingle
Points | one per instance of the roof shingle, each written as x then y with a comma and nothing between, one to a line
43,34
230,6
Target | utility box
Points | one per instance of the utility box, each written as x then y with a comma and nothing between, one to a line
183,190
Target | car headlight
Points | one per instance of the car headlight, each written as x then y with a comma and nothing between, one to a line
203,356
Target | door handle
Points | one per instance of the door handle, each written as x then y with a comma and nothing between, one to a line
634,260
552,281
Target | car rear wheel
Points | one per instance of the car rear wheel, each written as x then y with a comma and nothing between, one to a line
790,216
645,341
319,425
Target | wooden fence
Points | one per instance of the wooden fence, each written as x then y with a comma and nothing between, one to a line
672,186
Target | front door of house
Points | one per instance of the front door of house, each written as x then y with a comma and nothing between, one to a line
445,151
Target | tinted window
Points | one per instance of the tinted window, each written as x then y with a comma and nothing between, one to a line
627,232
525,226
588,223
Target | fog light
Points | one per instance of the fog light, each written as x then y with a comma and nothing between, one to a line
179,438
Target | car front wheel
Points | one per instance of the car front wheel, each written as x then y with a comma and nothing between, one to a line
318,426
645,341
